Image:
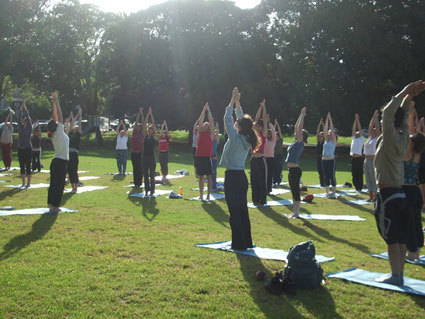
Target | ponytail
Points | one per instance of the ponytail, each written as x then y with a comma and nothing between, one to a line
246,128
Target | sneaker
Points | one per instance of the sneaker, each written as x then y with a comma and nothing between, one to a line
332,196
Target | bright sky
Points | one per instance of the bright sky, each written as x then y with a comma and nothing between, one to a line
130,6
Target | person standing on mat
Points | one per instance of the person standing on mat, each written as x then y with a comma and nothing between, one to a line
214,156
258,165
294,153
74,136
319,151
204,151
6,141
278,155
24,144
356,154
149,160
36,147
414,200
121,148
195,134
390,209
269,147
328,157
241,139
58,166
163,147
369,151
137,146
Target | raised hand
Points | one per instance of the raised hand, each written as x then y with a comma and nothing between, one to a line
304,110
263,103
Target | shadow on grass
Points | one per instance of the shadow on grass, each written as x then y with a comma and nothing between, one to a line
9,193
40,228
360,207
217,213
149,209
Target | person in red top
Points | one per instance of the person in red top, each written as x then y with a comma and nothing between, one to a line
204,151
258,163
137,146
164,141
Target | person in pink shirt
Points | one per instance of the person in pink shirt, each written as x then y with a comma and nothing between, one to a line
204,151
269,153
164,141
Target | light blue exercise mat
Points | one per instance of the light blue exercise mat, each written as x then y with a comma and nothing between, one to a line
262,253
33,211
328,217
420,261
359,202
364,277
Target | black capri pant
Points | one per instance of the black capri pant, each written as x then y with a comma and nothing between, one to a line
58,169
73,167
36,162
294,177
258,167
414,201
329,172
149,165
24,157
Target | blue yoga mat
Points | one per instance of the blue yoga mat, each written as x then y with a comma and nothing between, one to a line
262,253
364,277
420,261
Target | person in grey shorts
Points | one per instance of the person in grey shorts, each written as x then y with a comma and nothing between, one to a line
369,150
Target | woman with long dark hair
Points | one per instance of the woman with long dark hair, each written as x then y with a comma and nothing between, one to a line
24,144
74,135
58,166
149,160
294,153
242,138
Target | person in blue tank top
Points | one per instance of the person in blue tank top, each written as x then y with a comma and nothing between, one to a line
328,157
294,153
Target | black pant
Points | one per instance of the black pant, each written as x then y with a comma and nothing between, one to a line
357,172
36,162
149,165
58,168
294,177
73,167
163,161
258,167
137,161
235,189
270,168
277,169
329,172
24,157
320,171
414,201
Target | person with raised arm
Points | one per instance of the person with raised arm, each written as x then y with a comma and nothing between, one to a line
369,151
204,151
149,160
6,140
278,156
294,153
58,166
121,151
75,133
36,147
241,139
214,156
320,136
24,144
195,134
269,147
328,157
258,163
163,147
390,208
356,149
137,147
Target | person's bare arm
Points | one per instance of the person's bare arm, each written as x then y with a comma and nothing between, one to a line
299,125
155,131
359,126
264,117
353,130
80,122
277,126
202,116
210,122
373,122
57,111
413,119
331,126
260,109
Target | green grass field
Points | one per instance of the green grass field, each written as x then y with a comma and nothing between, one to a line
120,257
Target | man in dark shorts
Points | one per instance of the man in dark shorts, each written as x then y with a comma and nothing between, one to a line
391,217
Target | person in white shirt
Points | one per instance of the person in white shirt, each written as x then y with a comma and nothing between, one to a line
121,148
356,154
59,164
369,151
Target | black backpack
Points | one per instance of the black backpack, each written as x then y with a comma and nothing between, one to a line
303,269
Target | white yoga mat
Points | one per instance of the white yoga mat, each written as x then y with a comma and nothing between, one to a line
158,192
282,202
318,186
33,211
220,179
279,191
14,168
323,195
328,217
263,253
5,174
40,185
159,178
115,174
87,178
213,196
359,202
48,171
364,277
84,189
